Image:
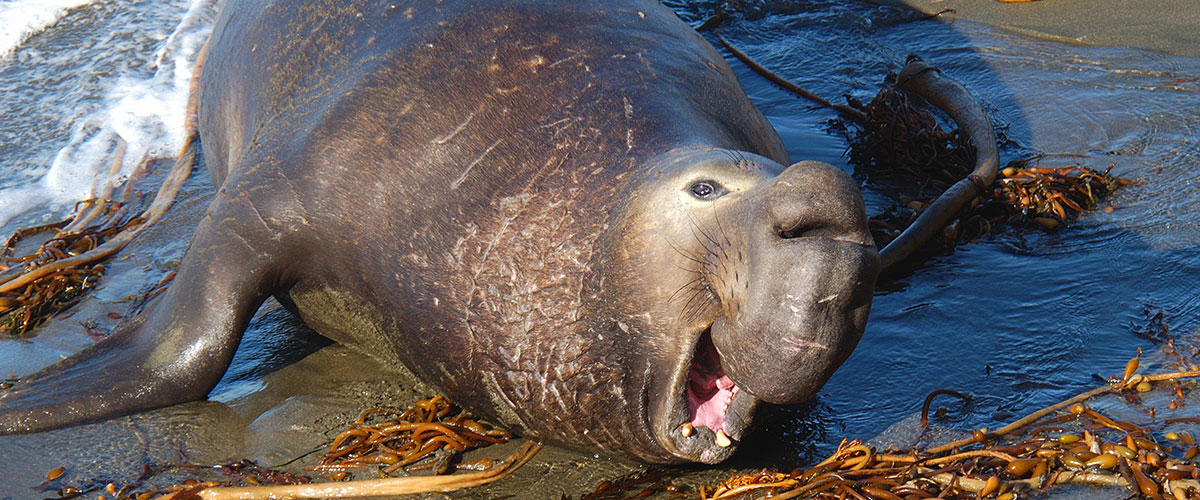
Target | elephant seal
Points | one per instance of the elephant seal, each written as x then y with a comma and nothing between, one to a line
565,215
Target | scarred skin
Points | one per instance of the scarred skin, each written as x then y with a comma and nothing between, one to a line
536,206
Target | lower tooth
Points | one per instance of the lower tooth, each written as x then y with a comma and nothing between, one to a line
723,439
686,429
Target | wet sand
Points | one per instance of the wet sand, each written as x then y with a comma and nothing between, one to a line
1168,26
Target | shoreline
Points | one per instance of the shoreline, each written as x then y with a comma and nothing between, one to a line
1168,26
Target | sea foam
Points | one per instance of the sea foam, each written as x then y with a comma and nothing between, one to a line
21,19
147,113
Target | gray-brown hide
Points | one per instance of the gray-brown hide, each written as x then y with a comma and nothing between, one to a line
551,210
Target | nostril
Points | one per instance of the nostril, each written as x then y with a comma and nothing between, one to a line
792,218
814,200
806,229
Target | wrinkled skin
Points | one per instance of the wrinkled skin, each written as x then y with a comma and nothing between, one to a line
565,215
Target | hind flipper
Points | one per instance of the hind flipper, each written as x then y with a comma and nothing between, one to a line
176,351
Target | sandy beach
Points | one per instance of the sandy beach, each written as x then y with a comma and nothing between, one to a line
1168,26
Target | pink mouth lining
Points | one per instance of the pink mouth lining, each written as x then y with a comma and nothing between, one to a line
709,389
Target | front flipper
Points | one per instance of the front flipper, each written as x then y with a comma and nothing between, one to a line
176,351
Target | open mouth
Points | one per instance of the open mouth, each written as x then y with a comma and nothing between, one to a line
709,390
710,413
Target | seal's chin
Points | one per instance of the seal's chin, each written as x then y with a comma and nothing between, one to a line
709,413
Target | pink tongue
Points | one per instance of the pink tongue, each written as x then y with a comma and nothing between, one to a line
708,399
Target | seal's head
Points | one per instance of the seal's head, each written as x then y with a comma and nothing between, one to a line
760,285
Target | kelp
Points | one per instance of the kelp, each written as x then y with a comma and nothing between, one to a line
395,444
39,284
955,193
26,306
1066,443
384,443
1036,197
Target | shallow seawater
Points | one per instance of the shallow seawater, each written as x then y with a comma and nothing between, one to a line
1025,318
1021,320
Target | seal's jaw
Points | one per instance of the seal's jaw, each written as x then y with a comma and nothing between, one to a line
706,414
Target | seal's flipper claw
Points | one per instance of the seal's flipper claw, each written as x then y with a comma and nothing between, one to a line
176,351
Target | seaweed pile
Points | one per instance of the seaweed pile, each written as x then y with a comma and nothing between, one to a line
899,143
1077,445
1071,442
39,284
1046,198
26,304
1053,196
898,146
1067,443
432,428
430,435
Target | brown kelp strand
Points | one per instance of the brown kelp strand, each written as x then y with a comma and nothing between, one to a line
1068,443
389,487
929,400
926,81
385,441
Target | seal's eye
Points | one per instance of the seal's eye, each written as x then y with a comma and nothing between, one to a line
706,190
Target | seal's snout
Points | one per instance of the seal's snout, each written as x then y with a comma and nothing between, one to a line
812,269
814,199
